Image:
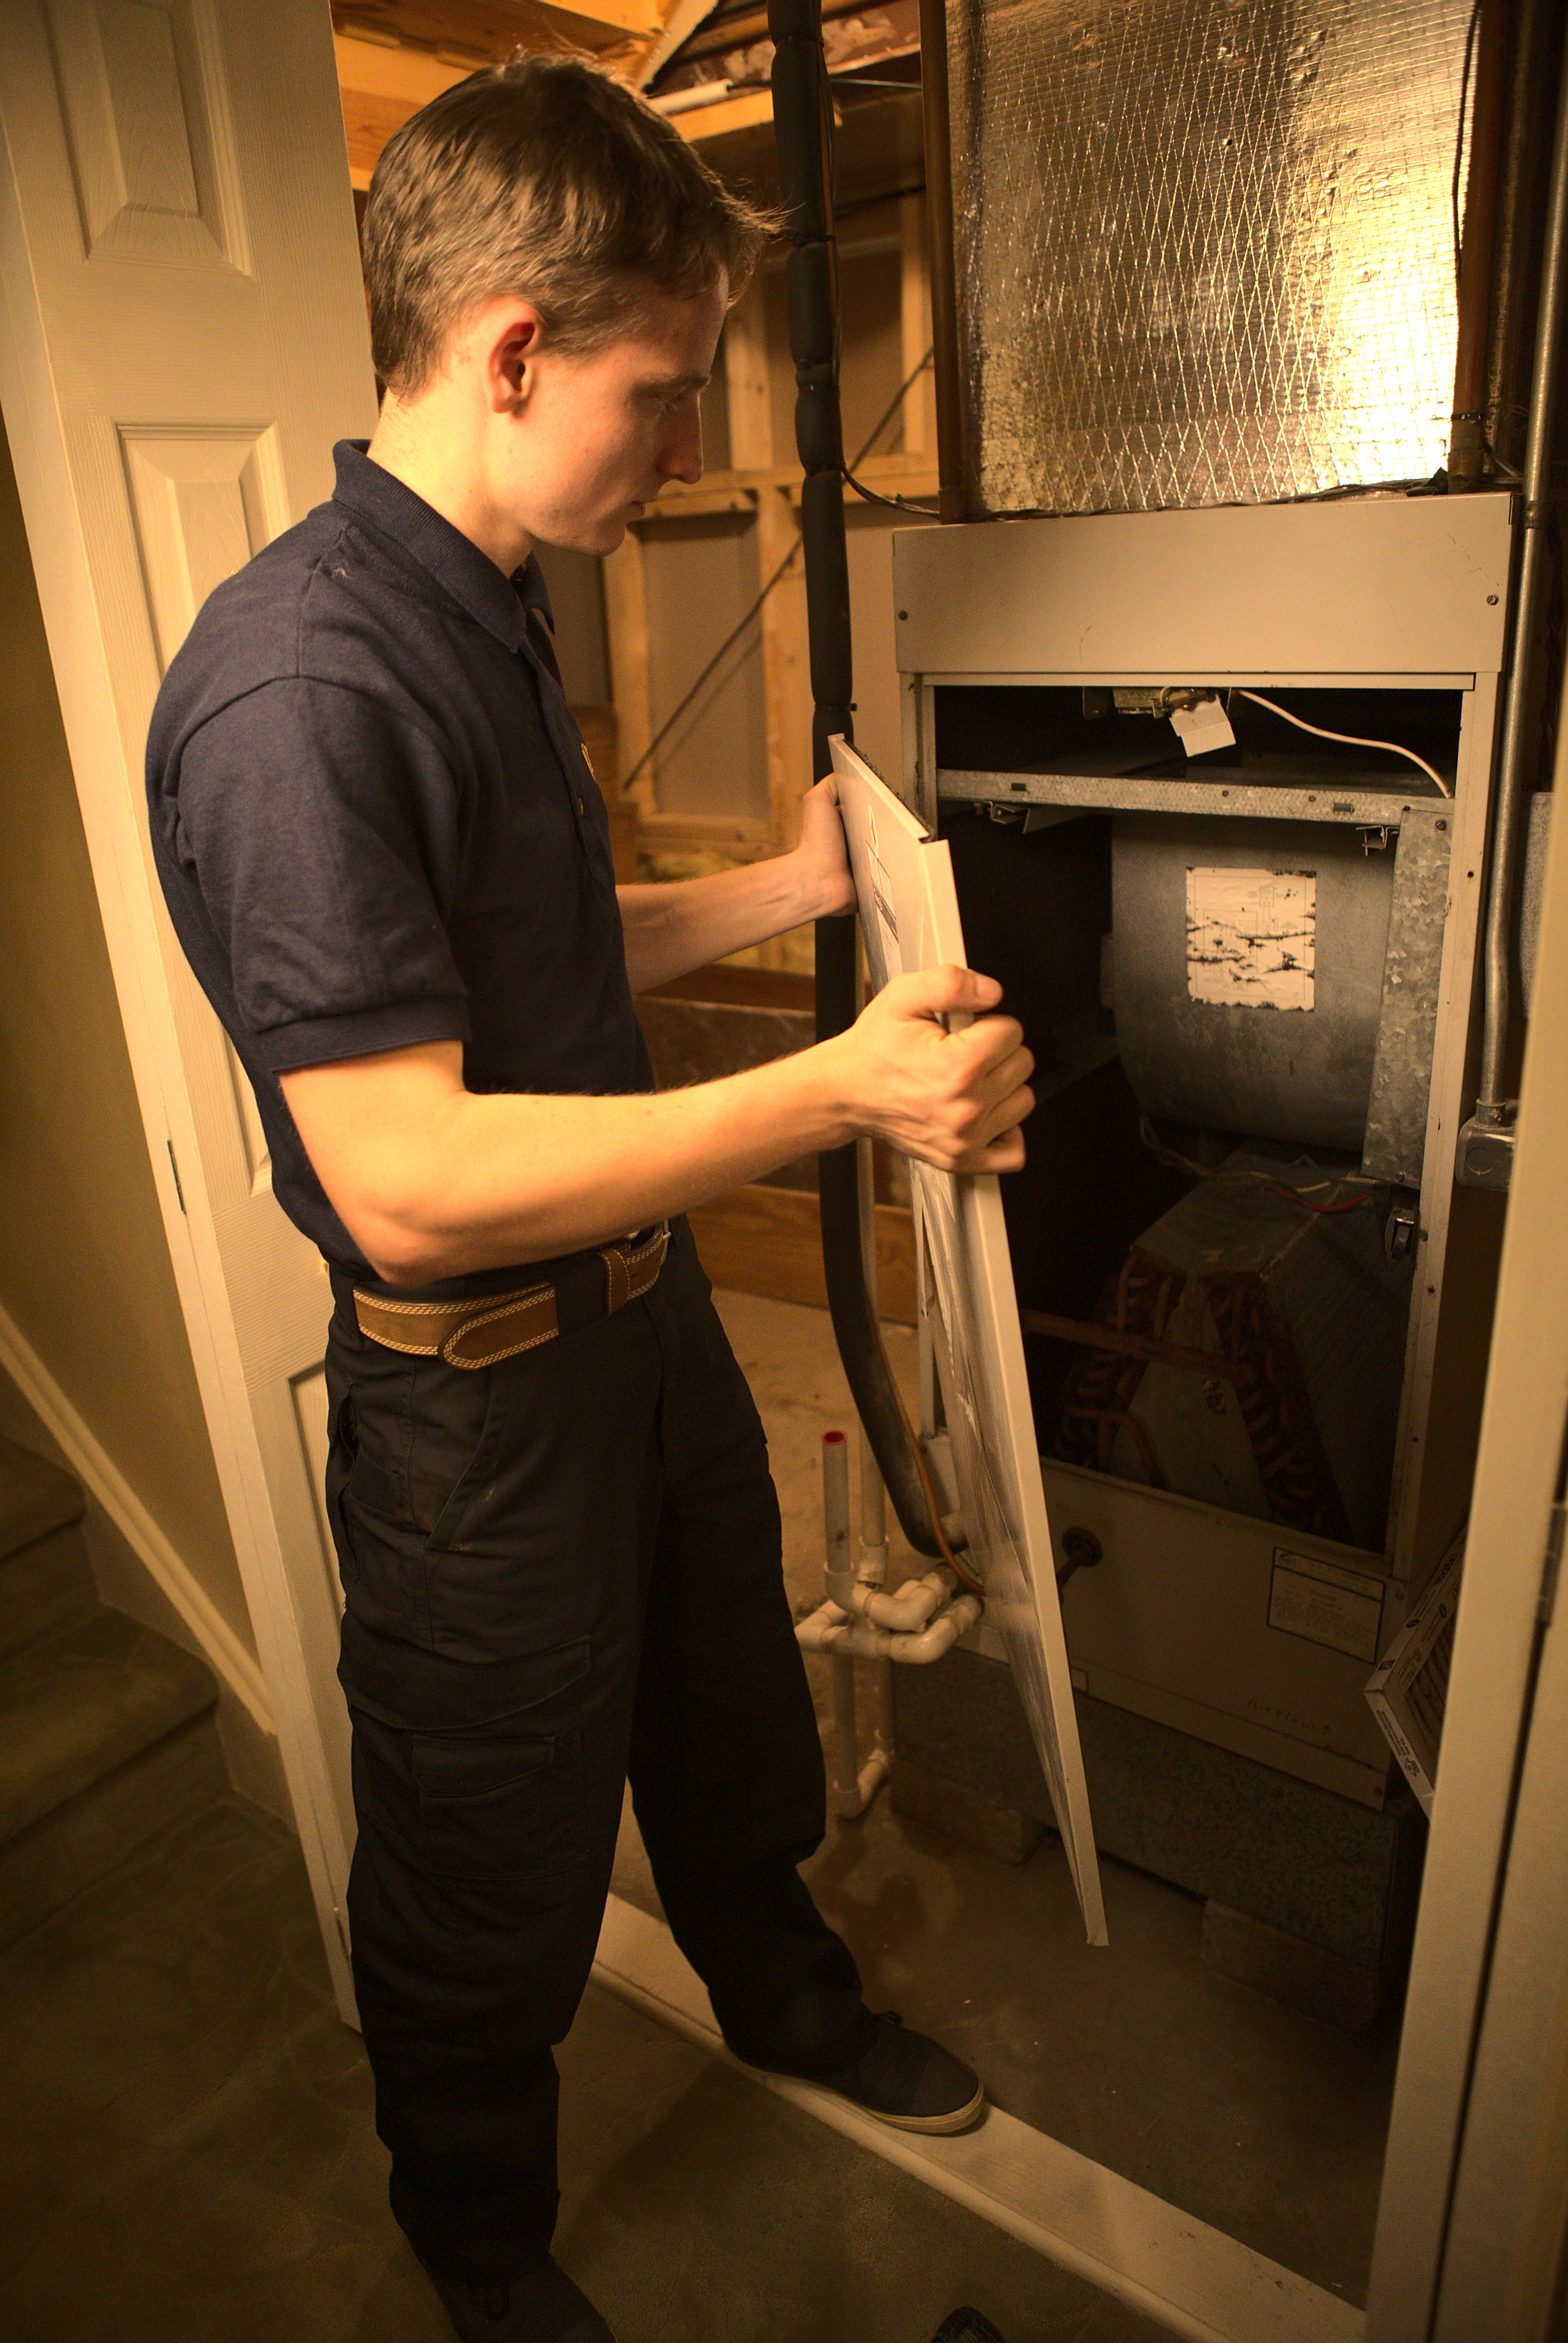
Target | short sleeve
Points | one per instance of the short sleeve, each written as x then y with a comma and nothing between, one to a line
321,833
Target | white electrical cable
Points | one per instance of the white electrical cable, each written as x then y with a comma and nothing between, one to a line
1351,740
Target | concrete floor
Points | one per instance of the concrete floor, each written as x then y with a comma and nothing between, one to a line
189,2150
1264,2123
188,2154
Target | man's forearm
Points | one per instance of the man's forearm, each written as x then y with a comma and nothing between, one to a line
681,924
432,1180
480,1181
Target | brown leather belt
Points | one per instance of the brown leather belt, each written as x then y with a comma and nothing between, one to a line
486,1327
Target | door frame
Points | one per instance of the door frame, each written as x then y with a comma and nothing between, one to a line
1494,1867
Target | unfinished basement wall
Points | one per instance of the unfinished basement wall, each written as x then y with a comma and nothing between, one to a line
720,686
87,1293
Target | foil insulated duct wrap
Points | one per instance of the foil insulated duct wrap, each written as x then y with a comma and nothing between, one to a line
1204,247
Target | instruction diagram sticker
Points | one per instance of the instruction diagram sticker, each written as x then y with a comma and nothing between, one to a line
1252,938
1341,1609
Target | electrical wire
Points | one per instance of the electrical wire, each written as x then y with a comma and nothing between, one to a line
1349,739
1248,1174
876,203
741,624
897,504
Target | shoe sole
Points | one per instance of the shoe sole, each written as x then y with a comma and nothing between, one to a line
938,2126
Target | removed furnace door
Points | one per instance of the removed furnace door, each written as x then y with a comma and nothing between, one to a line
909,918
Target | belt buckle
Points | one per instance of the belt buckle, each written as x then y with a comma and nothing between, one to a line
617,1261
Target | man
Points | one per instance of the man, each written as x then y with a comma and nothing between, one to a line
389,863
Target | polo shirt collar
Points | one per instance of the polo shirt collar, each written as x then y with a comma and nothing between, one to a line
393,509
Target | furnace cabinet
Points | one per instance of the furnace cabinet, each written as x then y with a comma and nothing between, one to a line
1256,1301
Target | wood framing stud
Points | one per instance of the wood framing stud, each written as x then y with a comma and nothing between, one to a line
631,683
915,327
786,665
748,387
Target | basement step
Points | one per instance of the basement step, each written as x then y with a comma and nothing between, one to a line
107,1739
45,1582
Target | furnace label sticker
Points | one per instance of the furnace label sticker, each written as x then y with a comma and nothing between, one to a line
1325,1605
1252,938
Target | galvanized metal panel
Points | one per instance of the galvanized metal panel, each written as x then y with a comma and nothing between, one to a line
1204,246
1301,1073
1395,1144
1355,803
1384,584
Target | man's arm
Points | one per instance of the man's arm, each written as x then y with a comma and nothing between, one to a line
686,923
432,1180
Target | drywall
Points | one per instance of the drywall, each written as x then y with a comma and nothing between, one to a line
84,1273
701,581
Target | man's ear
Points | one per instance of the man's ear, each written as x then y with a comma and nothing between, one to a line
506,344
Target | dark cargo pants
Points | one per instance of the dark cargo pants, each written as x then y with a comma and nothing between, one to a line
559,1570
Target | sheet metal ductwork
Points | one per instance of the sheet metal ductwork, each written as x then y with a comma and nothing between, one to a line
1283,1040
1204,248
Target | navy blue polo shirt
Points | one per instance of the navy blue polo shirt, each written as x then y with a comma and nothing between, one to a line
375,824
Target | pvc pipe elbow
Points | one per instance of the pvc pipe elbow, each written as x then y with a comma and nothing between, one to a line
908,1610
828,1631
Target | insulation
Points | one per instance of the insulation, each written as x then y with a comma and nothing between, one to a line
1204,247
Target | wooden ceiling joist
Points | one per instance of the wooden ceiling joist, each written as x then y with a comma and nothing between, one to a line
394,55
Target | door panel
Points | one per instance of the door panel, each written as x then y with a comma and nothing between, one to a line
909,921
184,339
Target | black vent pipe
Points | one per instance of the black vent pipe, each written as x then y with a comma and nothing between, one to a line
803,129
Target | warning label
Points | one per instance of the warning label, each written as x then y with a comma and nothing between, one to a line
1322,1603
1252,938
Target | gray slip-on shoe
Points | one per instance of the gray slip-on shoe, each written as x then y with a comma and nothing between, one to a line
905,2079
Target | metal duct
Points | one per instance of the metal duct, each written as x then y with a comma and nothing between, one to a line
1230,1014
1204,247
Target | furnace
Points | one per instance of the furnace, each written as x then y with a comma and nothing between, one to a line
1246,963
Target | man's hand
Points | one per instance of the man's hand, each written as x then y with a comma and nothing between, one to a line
954,1099
822,855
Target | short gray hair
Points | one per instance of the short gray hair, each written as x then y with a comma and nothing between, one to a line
548,178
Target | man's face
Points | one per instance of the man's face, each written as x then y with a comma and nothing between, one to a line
599,433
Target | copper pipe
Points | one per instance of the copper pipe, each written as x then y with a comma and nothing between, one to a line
1129,1346
1494,46
940,257
1112,1421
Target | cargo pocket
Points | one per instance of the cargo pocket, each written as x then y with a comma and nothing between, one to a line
342,1449
505,1803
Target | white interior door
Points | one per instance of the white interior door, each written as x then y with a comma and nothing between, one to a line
183,338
